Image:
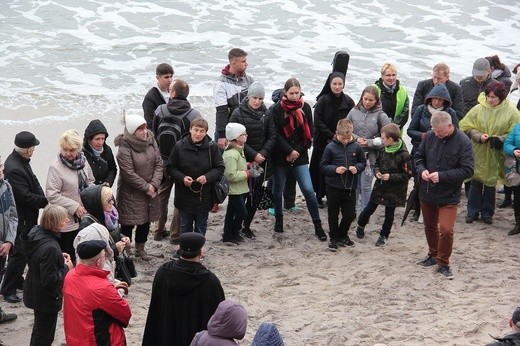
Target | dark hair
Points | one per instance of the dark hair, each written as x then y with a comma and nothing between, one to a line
163,69
181,89
236,53
516,68
371,90
199,122
497,88
391,131
292,82
495,63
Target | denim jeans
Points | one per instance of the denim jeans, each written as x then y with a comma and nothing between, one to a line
371,207
438,227
481,200
366,178
199,218
236,213
344,201
303,178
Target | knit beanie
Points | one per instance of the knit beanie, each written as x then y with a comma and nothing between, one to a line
234,130
133,121
256,90
267,335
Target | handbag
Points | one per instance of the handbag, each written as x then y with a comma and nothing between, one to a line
263,197
125,268
511,170
220,189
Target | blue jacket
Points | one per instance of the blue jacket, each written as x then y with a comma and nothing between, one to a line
512,141
452,157
421,118
336,154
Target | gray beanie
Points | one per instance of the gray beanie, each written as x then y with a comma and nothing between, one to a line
256,90
234,130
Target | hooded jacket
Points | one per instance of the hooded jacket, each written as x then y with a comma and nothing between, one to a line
495,121
104,166
267,335
44,281
336,154
184,297
140,164
261,134
425,86
420,123
94,313
229,322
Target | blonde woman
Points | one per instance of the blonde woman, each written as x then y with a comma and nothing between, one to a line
393,96
68,175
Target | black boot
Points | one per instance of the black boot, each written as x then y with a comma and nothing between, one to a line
506,202
278,224
318,230
515,230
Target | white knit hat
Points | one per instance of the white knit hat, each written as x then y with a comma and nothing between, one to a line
234,130
133,121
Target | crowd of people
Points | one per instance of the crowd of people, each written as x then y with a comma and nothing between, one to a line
78,253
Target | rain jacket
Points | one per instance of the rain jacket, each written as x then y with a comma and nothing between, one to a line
494,121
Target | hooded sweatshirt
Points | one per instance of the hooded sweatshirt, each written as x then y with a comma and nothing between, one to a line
229,322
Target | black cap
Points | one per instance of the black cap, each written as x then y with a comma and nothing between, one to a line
25,139
516,316
191,241
90,248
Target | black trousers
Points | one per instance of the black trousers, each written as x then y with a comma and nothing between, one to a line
343,201
66,244
44,328
13,275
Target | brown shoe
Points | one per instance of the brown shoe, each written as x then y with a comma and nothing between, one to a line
141,252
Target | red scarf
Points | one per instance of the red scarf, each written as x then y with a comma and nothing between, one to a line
294,112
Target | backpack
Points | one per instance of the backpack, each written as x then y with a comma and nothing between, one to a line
170,130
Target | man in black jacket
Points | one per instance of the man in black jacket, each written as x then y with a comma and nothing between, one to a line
440,74
443,161
185,294
159,93
29,198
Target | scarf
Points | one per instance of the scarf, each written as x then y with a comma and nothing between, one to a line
111,218
77,165
433,110
97,153
392,149
294,112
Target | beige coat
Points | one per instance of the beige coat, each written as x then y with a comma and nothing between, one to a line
140,164
62,188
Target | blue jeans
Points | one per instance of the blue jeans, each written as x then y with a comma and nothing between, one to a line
199,218
481,200
364,189
303,178
235,214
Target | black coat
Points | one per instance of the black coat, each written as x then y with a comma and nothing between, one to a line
188,159
104,168
28,193
184,297
261,134
336,154
44,281
285,145
326,117
452,157
152,100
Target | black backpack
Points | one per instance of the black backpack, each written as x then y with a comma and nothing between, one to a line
170,130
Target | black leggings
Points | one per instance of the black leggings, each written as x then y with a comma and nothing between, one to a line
141,232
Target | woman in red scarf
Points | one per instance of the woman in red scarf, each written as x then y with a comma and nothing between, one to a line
293,121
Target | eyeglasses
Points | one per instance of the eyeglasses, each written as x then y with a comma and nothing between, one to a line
244,134
390,75
111,200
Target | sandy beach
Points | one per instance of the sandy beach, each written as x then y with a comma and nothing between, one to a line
357,296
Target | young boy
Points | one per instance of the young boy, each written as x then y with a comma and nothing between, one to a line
342,161
392,171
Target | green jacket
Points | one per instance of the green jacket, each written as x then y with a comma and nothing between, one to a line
236,170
